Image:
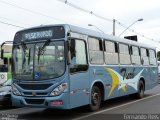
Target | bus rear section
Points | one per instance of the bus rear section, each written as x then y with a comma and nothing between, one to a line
5,62
5,74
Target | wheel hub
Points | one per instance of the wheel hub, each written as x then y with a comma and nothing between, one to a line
95,98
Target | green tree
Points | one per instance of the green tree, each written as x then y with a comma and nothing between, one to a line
158,55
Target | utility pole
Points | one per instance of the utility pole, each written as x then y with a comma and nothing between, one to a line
114,27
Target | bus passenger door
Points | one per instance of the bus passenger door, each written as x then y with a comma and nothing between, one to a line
79,74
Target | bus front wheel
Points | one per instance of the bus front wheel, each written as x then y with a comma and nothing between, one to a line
96,98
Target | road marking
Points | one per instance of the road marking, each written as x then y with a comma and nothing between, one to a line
79,118
11,110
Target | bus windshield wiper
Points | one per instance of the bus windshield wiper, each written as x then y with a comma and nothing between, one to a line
40,51
29,56
44,45
24,47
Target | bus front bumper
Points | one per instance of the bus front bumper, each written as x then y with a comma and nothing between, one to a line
57,102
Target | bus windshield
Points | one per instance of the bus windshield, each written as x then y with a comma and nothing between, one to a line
38,61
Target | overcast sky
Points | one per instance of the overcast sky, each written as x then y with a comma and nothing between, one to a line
125,11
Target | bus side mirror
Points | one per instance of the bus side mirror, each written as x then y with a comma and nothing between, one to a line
2,54
68,53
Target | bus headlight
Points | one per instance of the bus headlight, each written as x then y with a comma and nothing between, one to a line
58,90
15,90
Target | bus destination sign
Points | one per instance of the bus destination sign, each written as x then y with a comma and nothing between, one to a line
37,35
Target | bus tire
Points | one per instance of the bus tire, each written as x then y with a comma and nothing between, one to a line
141,87
96,98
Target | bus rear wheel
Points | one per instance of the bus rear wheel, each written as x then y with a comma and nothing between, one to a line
96,98
140,93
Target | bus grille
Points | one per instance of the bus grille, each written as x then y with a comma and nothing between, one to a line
34,101
38,93
35,86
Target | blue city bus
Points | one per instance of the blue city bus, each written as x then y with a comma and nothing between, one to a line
64,66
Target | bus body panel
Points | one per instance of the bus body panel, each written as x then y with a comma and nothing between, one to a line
118,80
79,89
37,94
5,67
99,73
114,86
152,82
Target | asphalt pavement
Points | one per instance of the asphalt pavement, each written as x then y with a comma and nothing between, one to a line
118,108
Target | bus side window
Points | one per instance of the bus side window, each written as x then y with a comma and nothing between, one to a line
135,57
111,52
152,57
95,50
124,54
78,56
144,56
